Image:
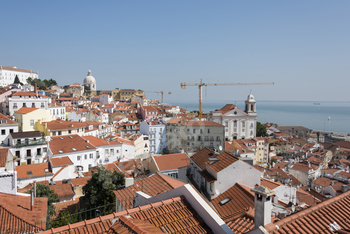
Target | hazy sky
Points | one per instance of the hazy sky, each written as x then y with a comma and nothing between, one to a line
302,46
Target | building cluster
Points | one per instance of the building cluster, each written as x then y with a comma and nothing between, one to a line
182,174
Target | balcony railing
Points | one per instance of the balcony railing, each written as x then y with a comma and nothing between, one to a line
31,142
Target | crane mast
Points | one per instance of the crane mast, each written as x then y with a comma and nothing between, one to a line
161,92
201,84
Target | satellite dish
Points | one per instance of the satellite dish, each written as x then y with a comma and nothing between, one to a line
220,148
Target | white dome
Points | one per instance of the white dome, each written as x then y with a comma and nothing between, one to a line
250,98
89,79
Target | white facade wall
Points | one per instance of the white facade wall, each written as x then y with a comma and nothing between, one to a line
157,136
84,159
22,182
238,172
108,153
15,103
66,173
5,130
7,77
8,182
58,112
286,194
128,152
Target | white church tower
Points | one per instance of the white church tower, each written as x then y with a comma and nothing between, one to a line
250,105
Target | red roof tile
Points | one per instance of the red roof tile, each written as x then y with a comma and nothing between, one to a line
32,170
171,161
60,161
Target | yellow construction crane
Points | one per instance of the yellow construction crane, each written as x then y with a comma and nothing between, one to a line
162,92
201,84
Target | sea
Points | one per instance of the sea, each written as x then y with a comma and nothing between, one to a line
320,116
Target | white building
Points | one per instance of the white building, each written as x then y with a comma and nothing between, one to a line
157,135
238,124
8,74
7,126
80,152
57,110
25,99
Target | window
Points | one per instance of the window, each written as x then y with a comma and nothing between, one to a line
53,133
85,156
78,130
11,130
59,133
235,124
69,131
217,138
199,138
194,130
32,122
42,105
106,151
206,138
243,124
33,105
3,132
201,130
208,130
91,156
211,138
44,149
78,157
188,130
226,124
112,151
24,104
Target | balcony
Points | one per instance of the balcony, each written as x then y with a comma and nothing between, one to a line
28,142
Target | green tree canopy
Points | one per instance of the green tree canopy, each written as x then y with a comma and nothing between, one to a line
273,160
17,81
42,84
43,190
99,189
260,130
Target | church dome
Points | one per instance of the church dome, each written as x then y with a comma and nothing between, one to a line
250,98
89,79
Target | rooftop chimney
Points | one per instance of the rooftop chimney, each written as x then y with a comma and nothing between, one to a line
36,90
32,199
262,205
34,188
129,181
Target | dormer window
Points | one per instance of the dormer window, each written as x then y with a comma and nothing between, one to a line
74,149
60,151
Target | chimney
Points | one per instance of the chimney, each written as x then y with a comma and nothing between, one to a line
129,181
34,188
262,205
32,199
36,90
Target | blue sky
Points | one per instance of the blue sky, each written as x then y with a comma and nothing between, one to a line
302,46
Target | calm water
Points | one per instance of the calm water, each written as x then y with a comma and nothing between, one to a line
294,113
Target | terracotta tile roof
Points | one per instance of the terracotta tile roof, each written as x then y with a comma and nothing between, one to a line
322,181
26,110
270,184
16,69
280,172
331,170
227,108
62,190
60,161
80,181
17,135
95,141
197,123
171,161
201,157
130,225
316,219
16,215
303,167
223,160
240,199
174,215
295,181
32,170
8,120
67,144
129,165
3,156
24,94
207,176
111,167
307,198
59,124
152,185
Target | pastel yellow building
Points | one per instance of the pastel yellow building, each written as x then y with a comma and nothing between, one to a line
60,127
26,118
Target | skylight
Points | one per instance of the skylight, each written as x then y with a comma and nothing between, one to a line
61,138
88,147
223,202
74,149
60,151
71,137
212,162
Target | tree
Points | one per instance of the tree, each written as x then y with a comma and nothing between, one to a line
43,190
260,130
17,81
99,189
273,160
86,88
